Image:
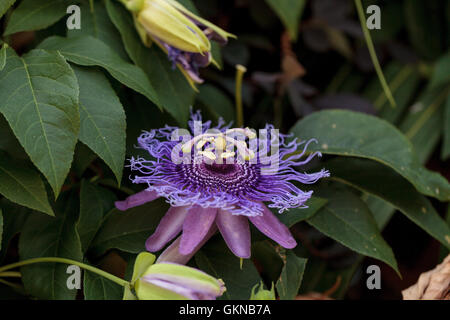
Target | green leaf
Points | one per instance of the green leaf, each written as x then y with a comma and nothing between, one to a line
3,56
95,202
289,11
295,215
291,276
346,219
1,227
127,231
22,185
35,15
14,217
5,5
40,101
423,123
102,119
96,287
217,260
89,51
174,92
96,23
44,236
446,144
354,134
441,74
376,179
217,102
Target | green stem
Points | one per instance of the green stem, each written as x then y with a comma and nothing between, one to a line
100,272
10,274
240,70
372,53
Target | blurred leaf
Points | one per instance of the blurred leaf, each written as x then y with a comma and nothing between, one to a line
128,231
174,92
34,15
376,179
346,219
423,122
44,236
22,185
1,227
236,52
95,202
295,215
89,51
441,72
5,5
420,26
82,159
217,102
96,23
40,94
291,276
96,287
102,119
289,11
218,261
446,146
354,134
14,217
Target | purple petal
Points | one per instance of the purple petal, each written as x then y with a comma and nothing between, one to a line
136,200
235,232
172,252
268,224
195,227
169,226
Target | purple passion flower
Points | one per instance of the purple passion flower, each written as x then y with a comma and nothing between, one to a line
220,183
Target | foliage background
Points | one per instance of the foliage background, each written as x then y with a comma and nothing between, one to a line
97,88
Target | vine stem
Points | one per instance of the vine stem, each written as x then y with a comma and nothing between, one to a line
240,70
84,266
373,55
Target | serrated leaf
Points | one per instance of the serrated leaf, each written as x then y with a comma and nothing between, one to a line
217,260
35,15
95,202
295,215
96,23
127,231
355,134
346,219
89,51
175,94
291,276
102,119
5,5
289,12
96,287
44,236
40,102
376,179
22,185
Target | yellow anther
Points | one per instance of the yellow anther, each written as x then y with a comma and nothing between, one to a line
187,147
220,143
228,154
202,142
250,133
208,154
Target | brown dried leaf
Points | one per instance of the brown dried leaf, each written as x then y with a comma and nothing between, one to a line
432,285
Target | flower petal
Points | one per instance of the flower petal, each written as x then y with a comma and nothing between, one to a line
268,224
172,252
196,226
169,226
136,200
235,232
